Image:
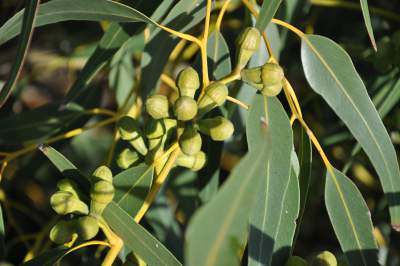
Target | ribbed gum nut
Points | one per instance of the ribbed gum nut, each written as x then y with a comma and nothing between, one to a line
129,129
68,186
61,232
296,261
64,202
272,90
102,173
193,162
155,129
127,158
267,78
252,76
157,106
218,128
271,74
87,227
324,258
101,194
190,141
188,82
247,43
185,108
215,95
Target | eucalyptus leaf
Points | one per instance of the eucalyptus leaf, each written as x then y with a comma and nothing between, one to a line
331,73
218,56
367,21
267,12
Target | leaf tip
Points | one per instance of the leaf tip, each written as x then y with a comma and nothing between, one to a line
43,147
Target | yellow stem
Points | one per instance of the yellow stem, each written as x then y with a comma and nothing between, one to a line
177,50
169,81
288,87
235,75
85,244
156,187
100,111
221,15
181,35
290,27
115,245
203,46
238,102
111,151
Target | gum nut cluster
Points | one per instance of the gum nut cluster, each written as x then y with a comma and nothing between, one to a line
180,118
81,220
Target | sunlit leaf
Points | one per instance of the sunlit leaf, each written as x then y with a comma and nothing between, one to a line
267,12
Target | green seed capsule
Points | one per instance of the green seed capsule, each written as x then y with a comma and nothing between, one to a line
218,128
193,162
68,186
87,227
215,95
157,106
101,195
324,258
127,158
185,108
129,129
62,232
267,78
247,44
155,129
188,82
190,141
102,173
296,261
64,202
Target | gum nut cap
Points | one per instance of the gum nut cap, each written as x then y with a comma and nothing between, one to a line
128,128
67,185
102,173
87,227
127,158
218,128
64,202
190,141
157,106
155,129
185,108
324,258
61,232
296,261
188,82
271,74
102,192
249,39
272,90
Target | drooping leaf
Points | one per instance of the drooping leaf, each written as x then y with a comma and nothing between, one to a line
48,258
350,219
132,186
268,209
64,10
23,45
67,168
330,72
367,21
217,233
267,12
136,238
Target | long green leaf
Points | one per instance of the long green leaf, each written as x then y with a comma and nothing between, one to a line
136,238
267,12
64,10
23,45
132,186
330,72
350,219
217,233
268,209
367,21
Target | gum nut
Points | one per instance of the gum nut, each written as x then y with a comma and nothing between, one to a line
247,43
64,202
102,192
188,82
155,129
87,227
324,258
271,74
102,173
185,108
67,185
272,90
157,106
296,261
190,141
218,128
128,128
200,161
61,232
127,158
252,76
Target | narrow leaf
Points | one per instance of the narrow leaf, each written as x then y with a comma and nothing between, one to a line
136,238
217,233
48,258
350,219
23,45
267,12
330,72
132,186
268,209
367,21
218,56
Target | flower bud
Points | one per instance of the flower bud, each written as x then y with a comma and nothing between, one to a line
157,106
185,108
155,129
102,173
101,194
193,162
62,232
267,78
68,186
324,258
188,82
64,202
127,158
215,95
129,130
190,141
296,261
218,128
247,43
87,227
